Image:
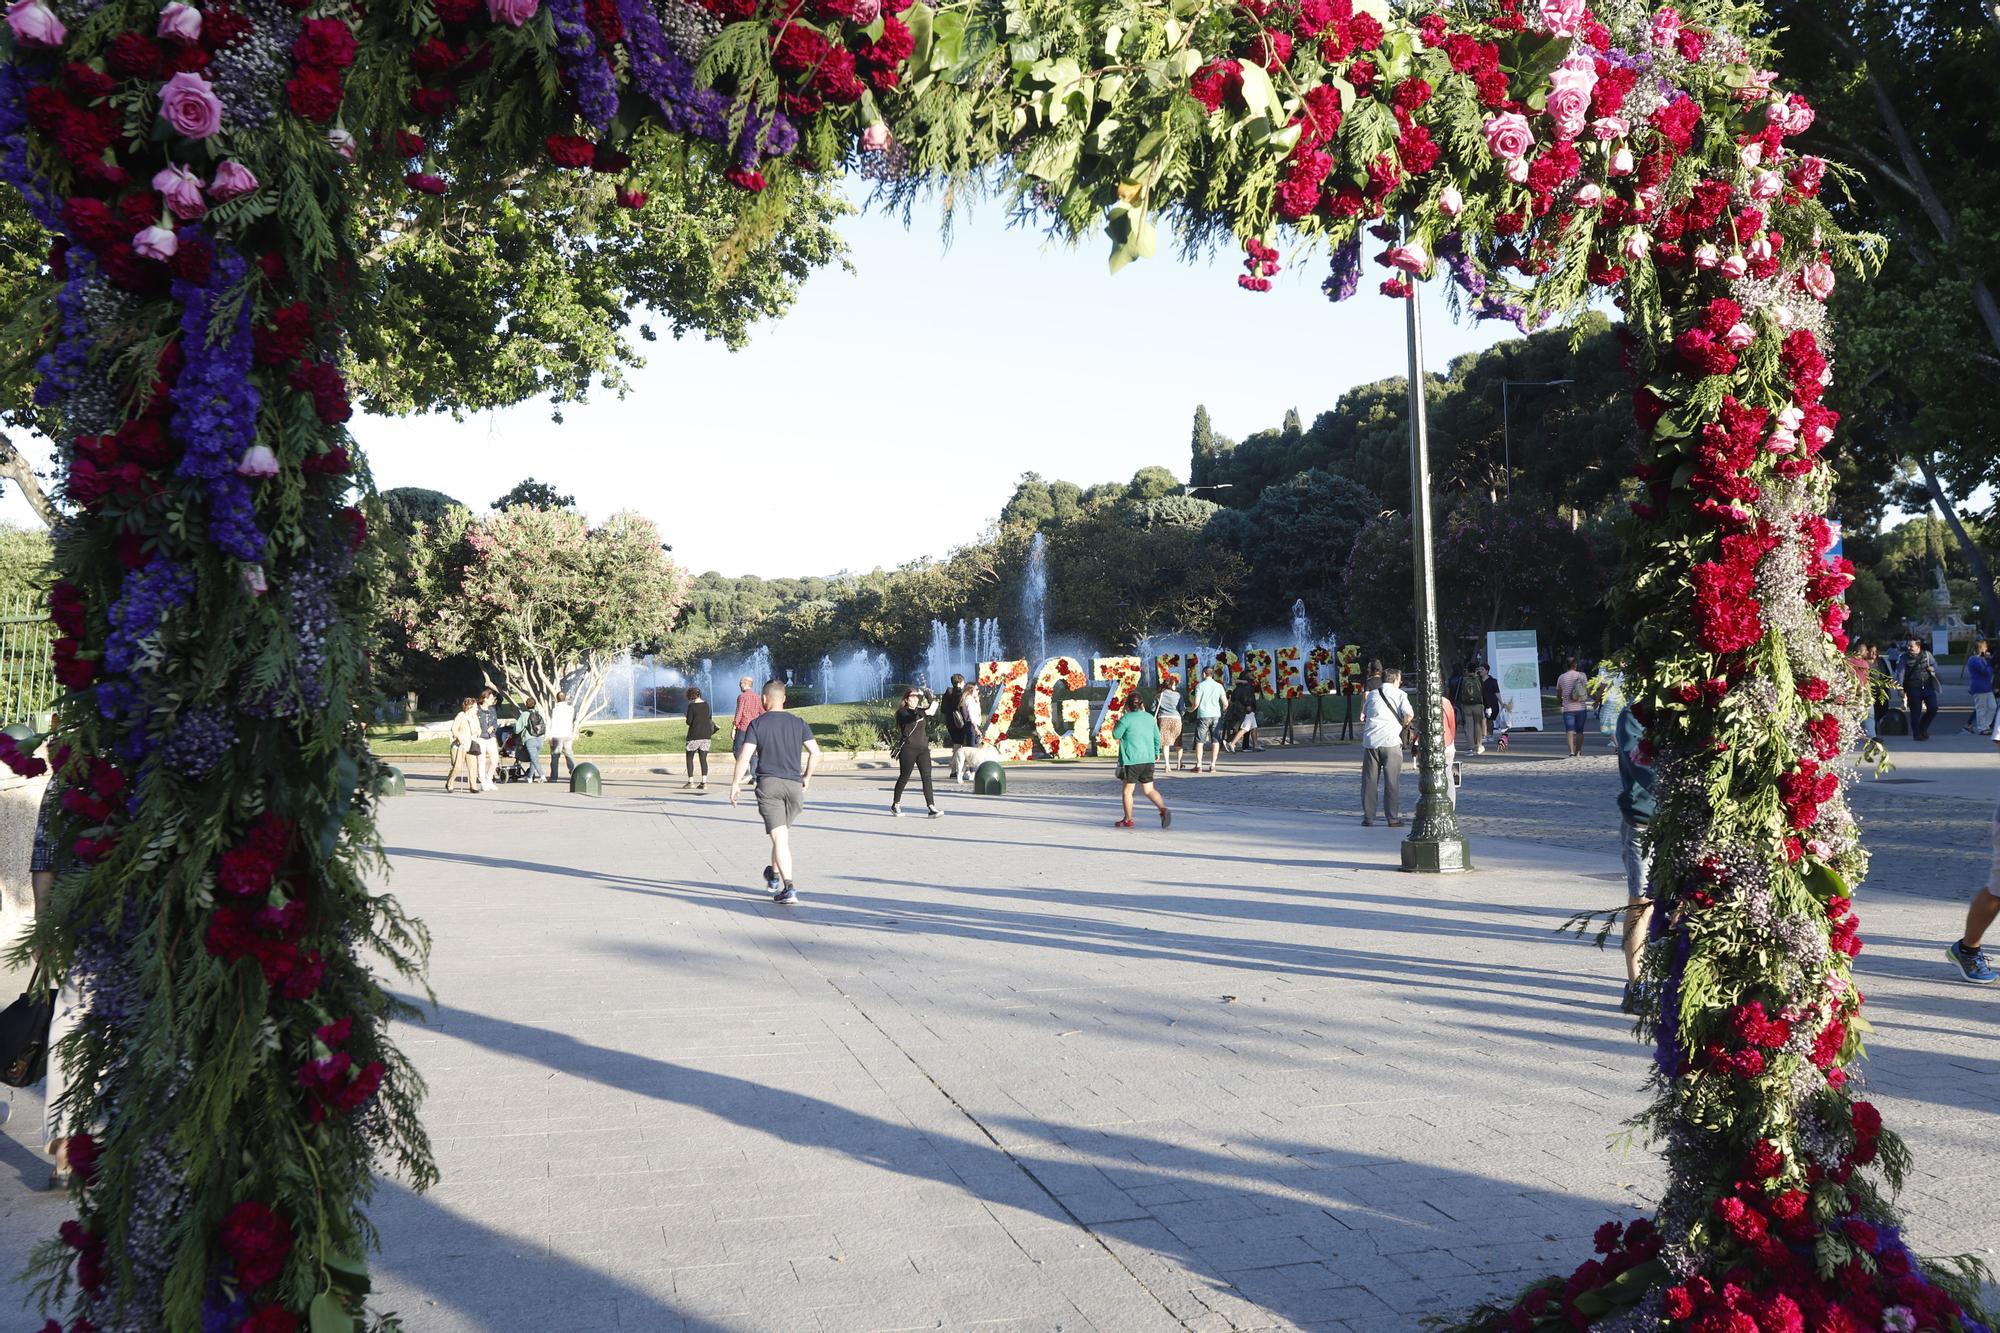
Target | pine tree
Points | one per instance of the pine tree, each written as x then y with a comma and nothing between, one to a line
1294,427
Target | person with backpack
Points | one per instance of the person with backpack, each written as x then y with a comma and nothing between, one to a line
1573,693
1920,688
913,748
1167,717
700,737
532,727
1470,699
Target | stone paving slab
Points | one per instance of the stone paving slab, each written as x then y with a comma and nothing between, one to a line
1017,1069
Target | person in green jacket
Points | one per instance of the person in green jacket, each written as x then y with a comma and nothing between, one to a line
1636,807
1138,737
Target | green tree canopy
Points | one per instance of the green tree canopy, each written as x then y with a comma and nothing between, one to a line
532,494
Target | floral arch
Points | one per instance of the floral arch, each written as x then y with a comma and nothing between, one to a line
195,162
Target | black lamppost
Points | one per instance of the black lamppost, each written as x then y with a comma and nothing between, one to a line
1435,844
1506,439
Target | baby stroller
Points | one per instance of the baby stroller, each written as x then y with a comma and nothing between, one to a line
510,756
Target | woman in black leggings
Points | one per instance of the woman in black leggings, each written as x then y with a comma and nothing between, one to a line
700,736
913,747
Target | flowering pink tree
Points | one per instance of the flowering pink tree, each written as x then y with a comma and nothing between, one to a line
196,162
540,595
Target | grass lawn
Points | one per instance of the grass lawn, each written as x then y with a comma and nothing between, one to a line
838,726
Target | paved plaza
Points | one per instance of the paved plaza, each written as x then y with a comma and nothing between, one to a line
1018,1069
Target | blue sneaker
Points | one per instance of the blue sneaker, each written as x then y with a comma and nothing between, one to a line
771,880
1972,964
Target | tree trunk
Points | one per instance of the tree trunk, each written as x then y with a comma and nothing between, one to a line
14,468
1914,179
1989,604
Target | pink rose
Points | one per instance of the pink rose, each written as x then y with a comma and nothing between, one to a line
1621,161
1706,255
232,180
1759,250
35,24
1590,196
253,579
181,189
1563,18
1752,154
188,103
1610,127
341,141
1739,336
258,461
1766,185
876,138
1508,136
1569,108
180,22
1409,258
1637,245
1785,436
156,242
1792,114
1818,279
866,11
1666,29
1517,171
513,13
1450,202
1735,267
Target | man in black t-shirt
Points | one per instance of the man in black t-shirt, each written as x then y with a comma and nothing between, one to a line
779,748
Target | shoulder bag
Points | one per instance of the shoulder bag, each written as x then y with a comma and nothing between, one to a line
24,1034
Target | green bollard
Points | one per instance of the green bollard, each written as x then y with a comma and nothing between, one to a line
990,780
389,782
585,781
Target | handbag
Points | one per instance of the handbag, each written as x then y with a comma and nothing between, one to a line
24,1034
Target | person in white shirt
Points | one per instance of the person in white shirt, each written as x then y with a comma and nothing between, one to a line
1385,713
562,736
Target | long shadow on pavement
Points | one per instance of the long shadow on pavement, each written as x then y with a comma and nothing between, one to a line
1304,1231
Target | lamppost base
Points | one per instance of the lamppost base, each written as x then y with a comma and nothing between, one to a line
1436,856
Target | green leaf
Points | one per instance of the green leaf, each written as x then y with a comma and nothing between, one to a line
328,1315
981,39
918,19
1824,882
947,39
1182,64
1257,92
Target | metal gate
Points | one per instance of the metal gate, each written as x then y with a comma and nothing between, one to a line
27,686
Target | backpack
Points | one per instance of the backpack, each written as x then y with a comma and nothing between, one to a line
1471,693
1577,693
537,725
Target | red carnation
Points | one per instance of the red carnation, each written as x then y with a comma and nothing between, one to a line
433,57
258,1240
571,150
325,42
328,388
136,56
314,93
410,145
424,182
798,49
432,101
270,1319
1217,82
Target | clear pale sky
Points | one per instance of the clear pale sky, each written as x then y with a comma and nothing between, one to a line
890,414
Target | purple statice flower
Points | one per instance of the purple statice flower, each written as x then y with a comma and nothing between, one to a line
587,68
309,599
1668,1053
17,76
215,407
145,600
1345,280
667,75
1464,269
199,739
64,366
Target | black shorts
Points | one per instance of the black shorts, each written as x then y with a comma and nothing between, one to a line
781,801
1136,774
